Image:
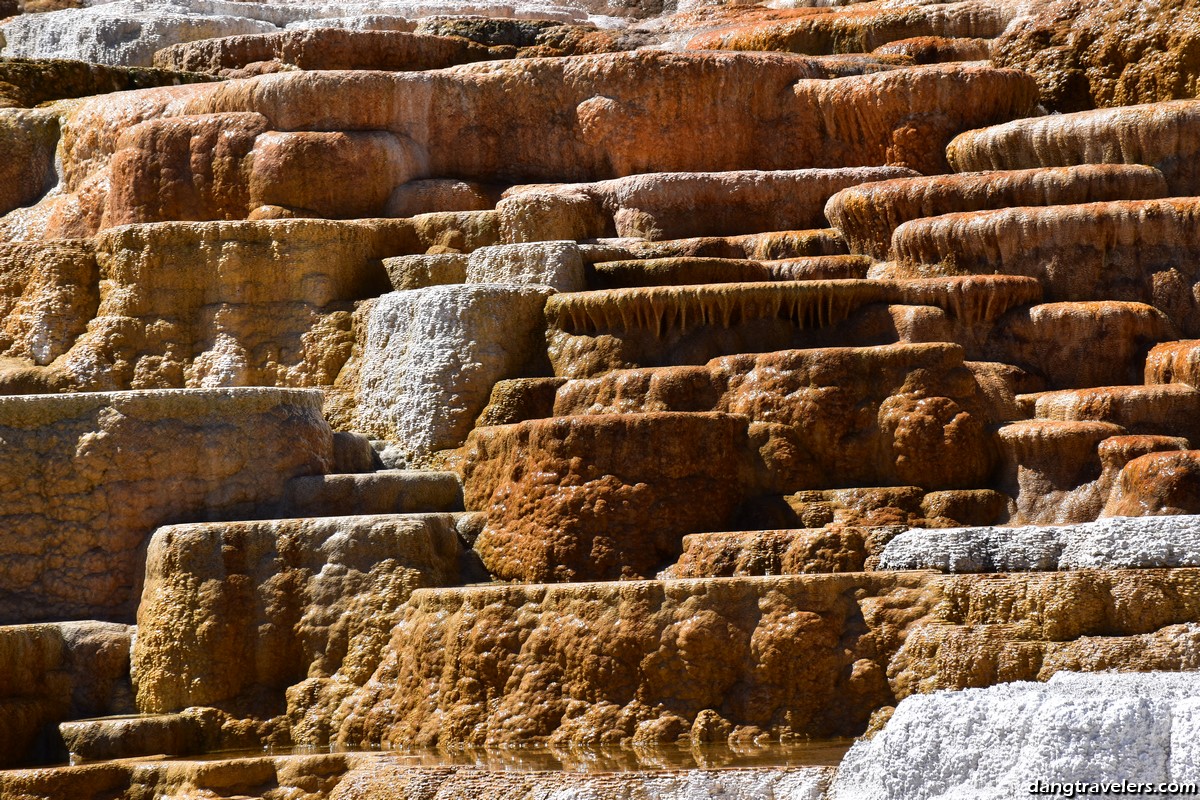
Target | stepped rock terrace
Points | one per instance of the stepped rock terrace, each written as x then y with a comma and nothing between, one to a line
598,399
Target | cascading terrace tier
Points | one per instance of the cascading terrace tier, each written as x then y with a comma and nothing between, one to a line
416,399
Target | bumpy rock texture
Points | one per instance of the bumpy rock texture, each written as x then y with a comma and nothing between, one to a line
89,476
293,600
1120,53
996,742
638,374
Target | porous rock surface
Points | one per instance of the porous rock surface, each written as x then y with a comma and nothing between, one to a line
600,381
55,671
296,600
1069,46
996,742
1119,542
72,532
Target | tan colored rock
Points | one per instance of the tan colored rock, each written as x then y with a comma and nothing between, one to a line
28,139
881,509
1024,627
384,491
89,476
58,671
826,418
601,497
787,552
594,332
867,214
277,602
1086,55
678,271
227,304
324,48
48,293
635,662
754,246
1162,135
676,775
860,31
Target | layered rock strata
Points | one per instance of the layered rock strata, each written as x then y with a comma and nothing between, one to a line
89,476
289,601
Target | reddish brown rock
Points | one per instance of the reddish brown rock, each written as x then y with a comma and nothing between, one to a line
899,415
786,552
937,49
1138,251
1080,344
1157,484
859,31
183,168
307,171
1052,470
1163,409
321,48
27,171
1174,362
29,82
868,214
601,497
1163,135
642,112
1086,55
677,205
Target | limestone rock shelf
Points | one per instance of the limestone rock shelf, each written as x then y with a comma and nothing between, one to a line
660,375
88,476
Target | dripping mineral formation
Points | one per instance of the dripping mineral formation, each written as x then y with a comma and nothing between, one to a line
431,399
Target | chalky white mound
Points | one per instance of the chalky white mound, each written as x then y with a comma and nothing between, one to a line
128,32
995,742
1113,543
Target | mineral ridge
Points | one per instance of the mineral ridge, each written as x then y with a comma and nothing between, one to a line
598,398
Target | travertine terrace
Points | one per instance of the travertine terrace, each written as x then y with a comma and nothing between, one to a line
597,398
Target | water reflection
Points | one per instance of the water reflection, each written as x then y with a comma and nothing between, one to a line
613,759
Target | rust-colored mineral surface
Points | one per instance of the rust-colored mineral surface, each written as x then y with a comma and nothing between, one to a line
598,399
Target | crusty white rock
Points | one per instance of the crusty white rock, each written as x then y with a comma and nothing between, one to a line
128,32
994,742
432,355
1113,543
554,264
